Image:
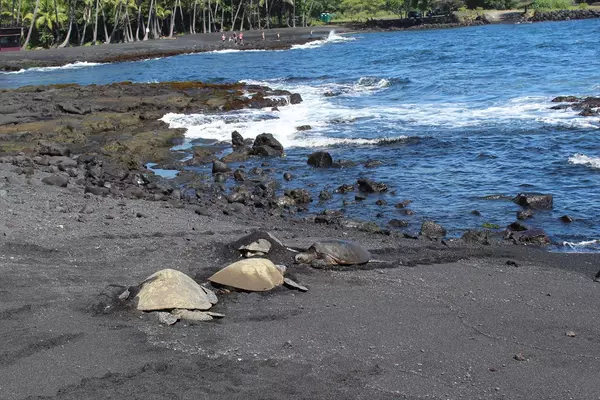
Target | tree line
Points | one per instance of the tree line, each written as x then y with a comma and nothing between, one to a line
60,23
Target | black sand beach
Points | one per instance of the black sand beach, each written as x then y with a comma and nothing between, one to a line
117,52
431,319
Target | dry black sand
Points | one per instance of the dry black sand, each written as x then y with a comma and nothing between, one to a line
447,327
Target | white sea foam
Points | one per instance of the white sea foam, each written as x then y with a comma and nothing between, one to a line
75,65
585,243
327,120
331,38
335,123
226,51
582,159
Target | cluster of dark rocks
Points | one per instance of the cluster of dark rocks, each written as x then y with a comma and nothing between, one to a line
449,20
588,106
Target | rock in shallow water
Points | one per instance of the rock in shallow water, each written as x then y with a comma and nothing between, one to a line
295,98
320,159
266,145
369,186
220,167
534,200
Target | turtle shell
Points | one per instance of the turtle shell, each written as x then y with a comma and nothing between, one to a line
342,251
253,274
168,289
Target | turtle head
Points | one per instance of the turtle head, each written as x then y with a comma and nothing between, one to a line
304,258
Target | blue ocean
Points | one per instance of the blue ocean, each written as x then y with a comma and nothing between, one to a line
460,119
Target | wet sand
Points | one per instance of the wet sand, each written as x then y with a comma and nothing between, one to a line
14,61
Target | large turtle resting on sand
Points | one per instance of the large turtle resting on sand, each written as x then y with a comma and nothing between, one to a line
333,252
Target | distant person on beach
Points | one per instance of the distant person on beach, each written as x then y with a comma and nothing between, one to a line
277,35
263,35
223,37
235,37
241,38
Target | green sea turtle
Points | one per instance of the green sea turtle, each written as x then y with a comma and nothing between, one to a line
252,274
333,252
170,289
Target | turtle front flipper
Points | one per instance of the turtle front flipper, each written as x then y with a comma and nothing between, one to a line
324,261
305,258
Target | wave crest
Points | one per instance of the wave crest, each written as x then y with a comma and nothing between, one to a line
582,159
331,38
75,65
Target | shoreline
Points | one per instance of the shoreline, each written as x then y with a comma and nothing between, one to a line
201,43
186,44
123,122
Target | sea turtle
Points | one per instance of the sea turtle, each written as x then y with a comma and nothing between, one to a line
333,252
170,289
252,274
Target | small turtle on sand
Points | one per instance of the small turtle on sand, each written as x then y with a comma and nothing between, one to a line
333,252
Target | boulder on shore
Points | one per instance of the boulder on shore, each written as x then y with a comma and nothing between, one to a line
267,146
431,229
236,139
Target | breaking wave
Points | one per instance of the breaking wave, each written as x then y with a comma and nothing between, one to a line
582,159
75,65
589,245
331,38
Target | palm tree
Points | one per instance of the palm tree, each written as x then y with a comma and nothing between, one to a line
35,11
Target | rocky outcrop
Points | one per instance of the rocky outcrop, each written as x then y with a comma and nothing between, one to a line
587,107
564,15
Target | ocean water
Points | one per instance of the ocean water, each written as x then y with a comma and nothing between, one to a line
453,115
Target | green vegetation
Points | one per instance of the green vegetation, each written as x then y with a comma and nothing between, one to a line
60,23
489,225
545,5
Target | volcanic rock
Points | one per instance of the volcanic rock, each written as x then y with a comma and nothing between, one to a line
397,223
295,98
220,167
525,214
236,139
52,149
432,230
320,159
56,180
369,186
345,188
534,200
